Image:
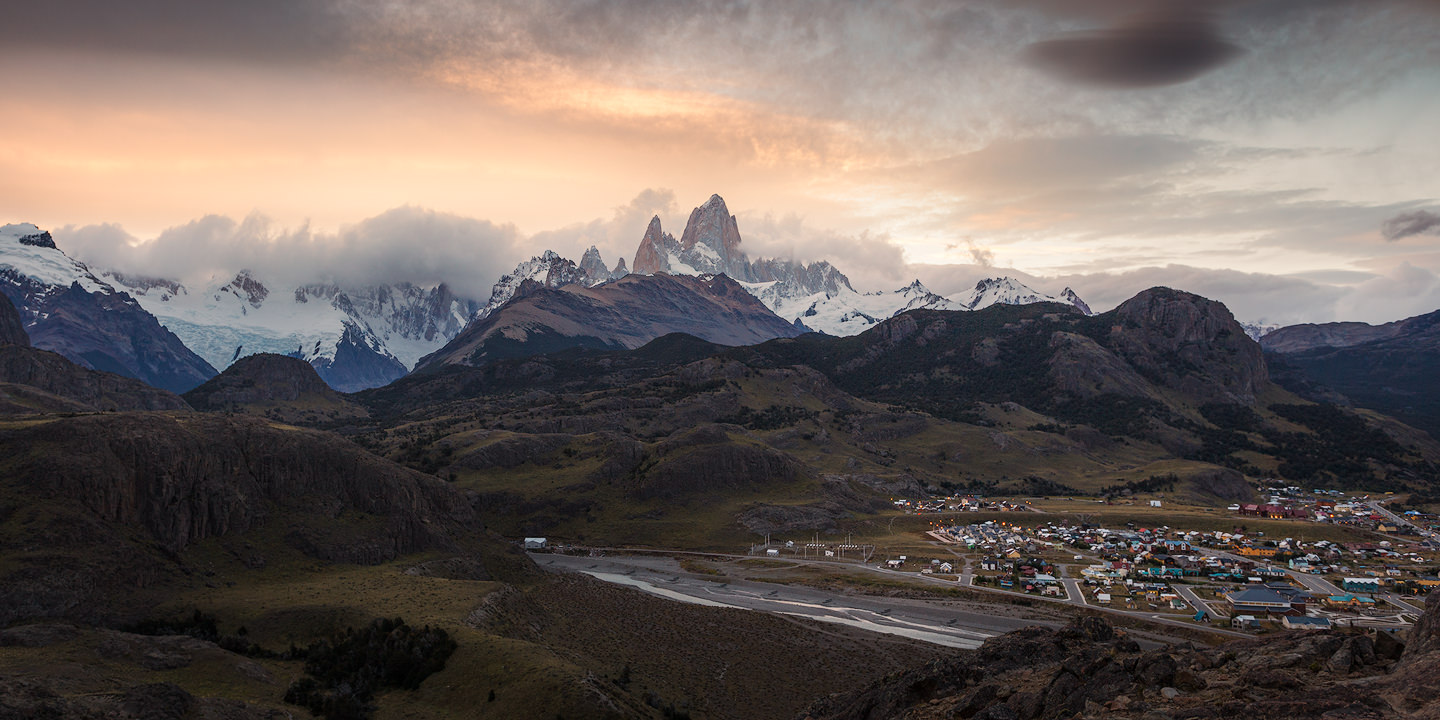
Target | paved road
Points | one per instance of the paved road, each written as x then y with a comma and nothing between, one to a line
1314,583
1193,598
1377,507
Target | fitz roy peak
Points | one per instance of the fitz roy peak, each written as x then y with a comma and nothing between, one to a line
817,296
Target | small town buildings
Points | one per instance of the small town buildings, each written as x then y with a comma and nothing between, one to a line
1350,602
1303,622
1259,600
1354,584
535,543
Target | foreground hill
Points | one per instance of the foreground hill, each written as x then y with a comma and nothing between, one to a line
1390,368
158,564
625,313
275,386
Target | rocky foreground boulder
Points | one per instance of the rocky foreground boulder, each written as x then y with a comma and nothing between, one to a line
1089,670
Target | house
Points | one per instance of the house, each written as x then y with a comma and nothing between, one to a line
536,543
1260,551
1353,602
990,564
1353,584
1245,622
1259,601
1302,622
946,567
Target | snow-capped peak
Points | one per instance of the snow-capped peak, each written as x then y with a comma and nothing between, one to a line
1069,296
1006,290
31,258
548,269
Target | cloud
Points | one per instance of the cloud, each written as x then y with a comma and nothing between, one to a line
406,244
1417,222
871,260
1166,46
1402,291
616,237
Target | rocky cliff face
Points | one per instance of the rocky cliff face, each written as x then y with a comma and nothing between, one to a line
12,328
655,249
594,267
104,491
711,242
1189,343
1090,670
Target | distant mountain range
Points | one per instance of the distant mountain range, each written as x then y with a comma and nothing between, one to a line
356,337
1391,367
817,294
66,308
175,336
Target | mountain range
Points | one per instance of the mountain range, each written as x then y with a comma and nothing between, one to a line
175,336
1391,368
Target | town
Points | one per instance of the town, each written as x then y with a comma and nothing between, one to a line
1340,560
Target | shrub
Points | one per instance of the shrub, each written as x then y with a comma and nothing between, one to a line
346,671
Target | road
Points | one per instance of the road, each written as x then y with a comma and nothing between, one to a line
1381,509
1193,598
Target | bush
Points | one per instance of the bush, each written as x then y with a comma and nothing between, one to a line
347,670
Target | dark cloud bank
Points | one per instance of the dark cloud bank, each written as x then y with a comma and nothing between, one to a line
1164,46
1418,222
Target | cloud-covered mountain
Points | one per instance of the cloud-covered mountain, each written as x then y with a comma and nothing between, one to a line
66,309
355,337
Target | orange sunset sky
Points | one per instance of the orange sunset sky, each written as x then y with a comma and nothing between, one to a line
1279,155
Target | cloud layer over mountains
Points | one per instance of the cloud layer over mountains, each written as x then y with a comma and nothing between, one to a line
425,247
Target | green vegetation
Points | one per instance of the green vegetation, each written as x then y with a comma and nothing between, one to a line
346,671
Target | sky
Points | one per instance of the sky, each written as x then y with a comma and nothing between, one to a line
1281,156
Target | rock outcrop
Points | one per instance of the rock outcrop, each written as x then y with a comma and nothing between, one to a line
12,328
1189,343
1089,670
